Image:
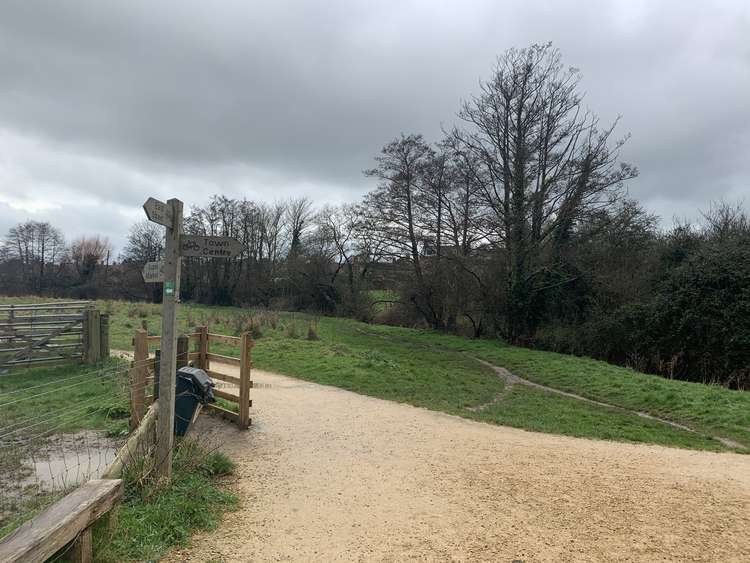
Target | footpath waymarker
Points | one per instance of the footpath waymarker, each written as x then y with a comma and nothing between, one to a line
159,212
210,247
170,215
167,271
153,272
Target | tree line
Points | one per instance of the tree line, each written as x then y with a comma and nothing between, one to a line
515,224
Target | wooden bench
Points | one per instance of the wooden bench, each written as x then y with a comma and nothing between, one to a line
68,520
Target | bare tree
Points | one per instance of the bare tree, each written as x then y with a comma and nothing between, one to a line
145,243
87,253
542,163
352,249
397,212
299,212
36,246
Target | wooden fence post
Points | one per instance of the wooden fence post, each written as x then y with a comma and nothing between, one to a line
203,347
138,378
82,549
157,369
182,351
104,335
91,336
245,382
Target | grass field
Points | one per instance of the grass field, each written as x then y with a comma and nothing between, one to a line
441,372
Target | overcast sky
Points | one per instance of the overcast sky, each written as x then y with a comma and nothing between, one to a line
103,104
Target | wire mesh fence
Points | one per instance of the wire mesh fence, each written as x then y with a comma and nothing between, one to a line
59,427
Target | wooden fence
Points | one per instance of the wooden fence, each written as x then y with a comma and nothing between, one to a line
145,371
66,523
35,334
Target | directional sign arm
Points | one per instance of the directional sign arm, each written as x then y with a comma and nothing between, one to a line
153,272
159,212
210,247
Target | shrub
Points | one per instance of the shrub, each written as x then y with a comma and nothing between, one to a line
291,330
312,331
216,463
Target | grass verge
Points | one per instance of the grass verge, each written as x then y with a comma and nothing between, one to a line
153,519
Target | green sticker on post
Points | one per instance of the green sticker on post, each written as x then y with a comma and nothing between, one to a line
169,288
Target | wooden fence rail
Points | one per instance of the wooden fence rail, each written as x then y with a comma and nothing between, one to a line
66,522
144,365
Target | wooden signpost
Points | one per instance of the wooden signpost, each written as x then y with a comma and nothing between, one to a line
167,271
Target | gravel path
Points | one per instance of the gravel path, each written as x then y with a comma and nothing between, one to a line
329,475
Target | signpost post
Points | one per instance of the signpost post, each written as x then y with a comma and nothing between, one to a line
164,213
167,271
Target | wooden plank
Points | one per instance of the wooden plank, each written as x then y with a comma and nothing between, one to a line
104,335
83,548
152,339
28,337
233,416
91,336
139,443
230,397
224,359
223,338
156,367
224,377
182,351
46,534
46,346
244,399
55,305
138,375
20,319
203,348
38,330
45,360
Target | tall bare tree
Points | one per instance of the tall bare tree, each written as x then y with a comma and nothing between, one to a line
299,212
87,253
542,163
36,246
145,243
397,207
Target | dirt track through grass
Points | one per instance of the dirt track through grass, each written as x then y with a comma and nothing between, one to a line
512,379
328,475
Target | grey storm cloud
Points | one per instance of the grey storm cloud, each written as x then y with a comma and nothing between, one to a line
105,103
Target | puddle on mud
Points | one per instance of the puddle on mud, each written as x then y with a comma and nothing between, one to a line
64,461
